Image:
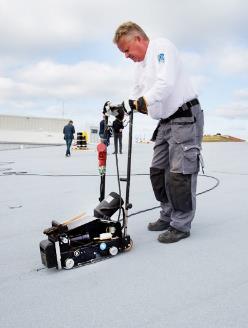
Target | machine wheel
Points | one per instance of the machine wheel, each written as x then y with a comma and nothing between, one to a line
129,247
69,263
113,250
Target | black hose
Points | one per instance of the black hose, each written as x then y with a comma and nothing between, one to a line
119,187
199,193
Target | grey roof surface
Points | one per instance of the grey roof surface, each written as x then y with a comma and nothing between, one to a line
198,282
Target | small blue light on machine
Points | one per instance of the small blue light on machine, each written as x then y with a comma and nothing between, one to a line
103,246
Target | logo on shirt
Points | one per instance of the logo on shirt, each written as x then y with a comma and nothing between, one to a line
161,58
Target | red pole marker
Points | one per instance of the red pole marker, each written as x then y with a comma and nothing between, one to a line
102,155
102,159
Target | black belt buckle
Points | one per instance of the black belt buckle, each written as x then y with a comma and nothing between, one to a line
192,102
186,106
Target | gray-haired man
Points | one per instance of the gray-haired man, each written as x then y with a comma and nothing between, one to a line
163,91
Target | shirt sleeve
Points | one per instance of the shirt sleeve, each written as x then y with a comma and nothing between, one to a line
163,69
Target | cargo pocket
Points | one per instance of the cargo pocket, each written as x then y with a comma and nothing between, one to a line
190,159
183,129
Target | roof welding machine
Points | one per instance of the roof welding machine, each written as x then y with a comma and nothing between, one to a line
87,239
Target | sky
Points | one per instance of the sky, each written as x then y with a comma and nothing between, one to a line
57,58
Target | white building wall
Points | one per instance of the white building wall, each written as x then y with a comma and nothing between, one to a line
94,134
28,129
27,123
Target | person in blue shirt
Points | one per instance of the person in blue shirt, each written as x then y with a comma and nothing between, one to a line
105,132
68,131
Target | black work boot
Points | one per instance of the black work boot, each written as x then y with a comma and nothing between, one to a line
172,235
158,225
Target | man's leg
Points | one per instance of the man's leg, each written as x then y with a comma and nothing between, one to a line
69,146
120,142
184,148
159,178
115,143
183,212
184,209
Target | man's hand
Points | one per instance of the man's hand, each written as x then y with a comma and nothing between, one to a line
138,105
119,111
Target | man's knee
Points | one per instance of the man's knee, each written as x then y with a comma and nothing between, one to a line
157,177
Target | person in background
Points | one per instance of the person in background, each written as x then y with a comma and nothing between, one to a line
117,130
163,91
104,132
68,131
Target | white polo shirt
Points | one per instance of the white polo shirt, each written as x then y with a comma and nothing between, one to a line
161,80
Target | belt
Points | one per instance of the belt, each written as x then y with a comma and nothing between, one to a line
183,111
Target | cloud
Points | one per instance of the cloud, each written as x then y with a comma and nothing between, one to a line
194,61
56,52
199,82
242,93
33,25
233,60
233,111
11,89
238,107
52,80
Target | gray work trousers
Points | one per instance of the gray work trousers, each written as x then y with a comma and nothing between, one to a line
118,139
175,167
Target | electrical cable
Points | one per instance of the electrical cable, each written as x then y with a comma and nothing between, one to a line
199,193
211,177
51,175
112,175
5,163
23,173
63,175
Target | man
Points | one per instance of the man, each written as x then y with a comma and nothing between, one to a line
163,91
117,129
68,131
104,132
